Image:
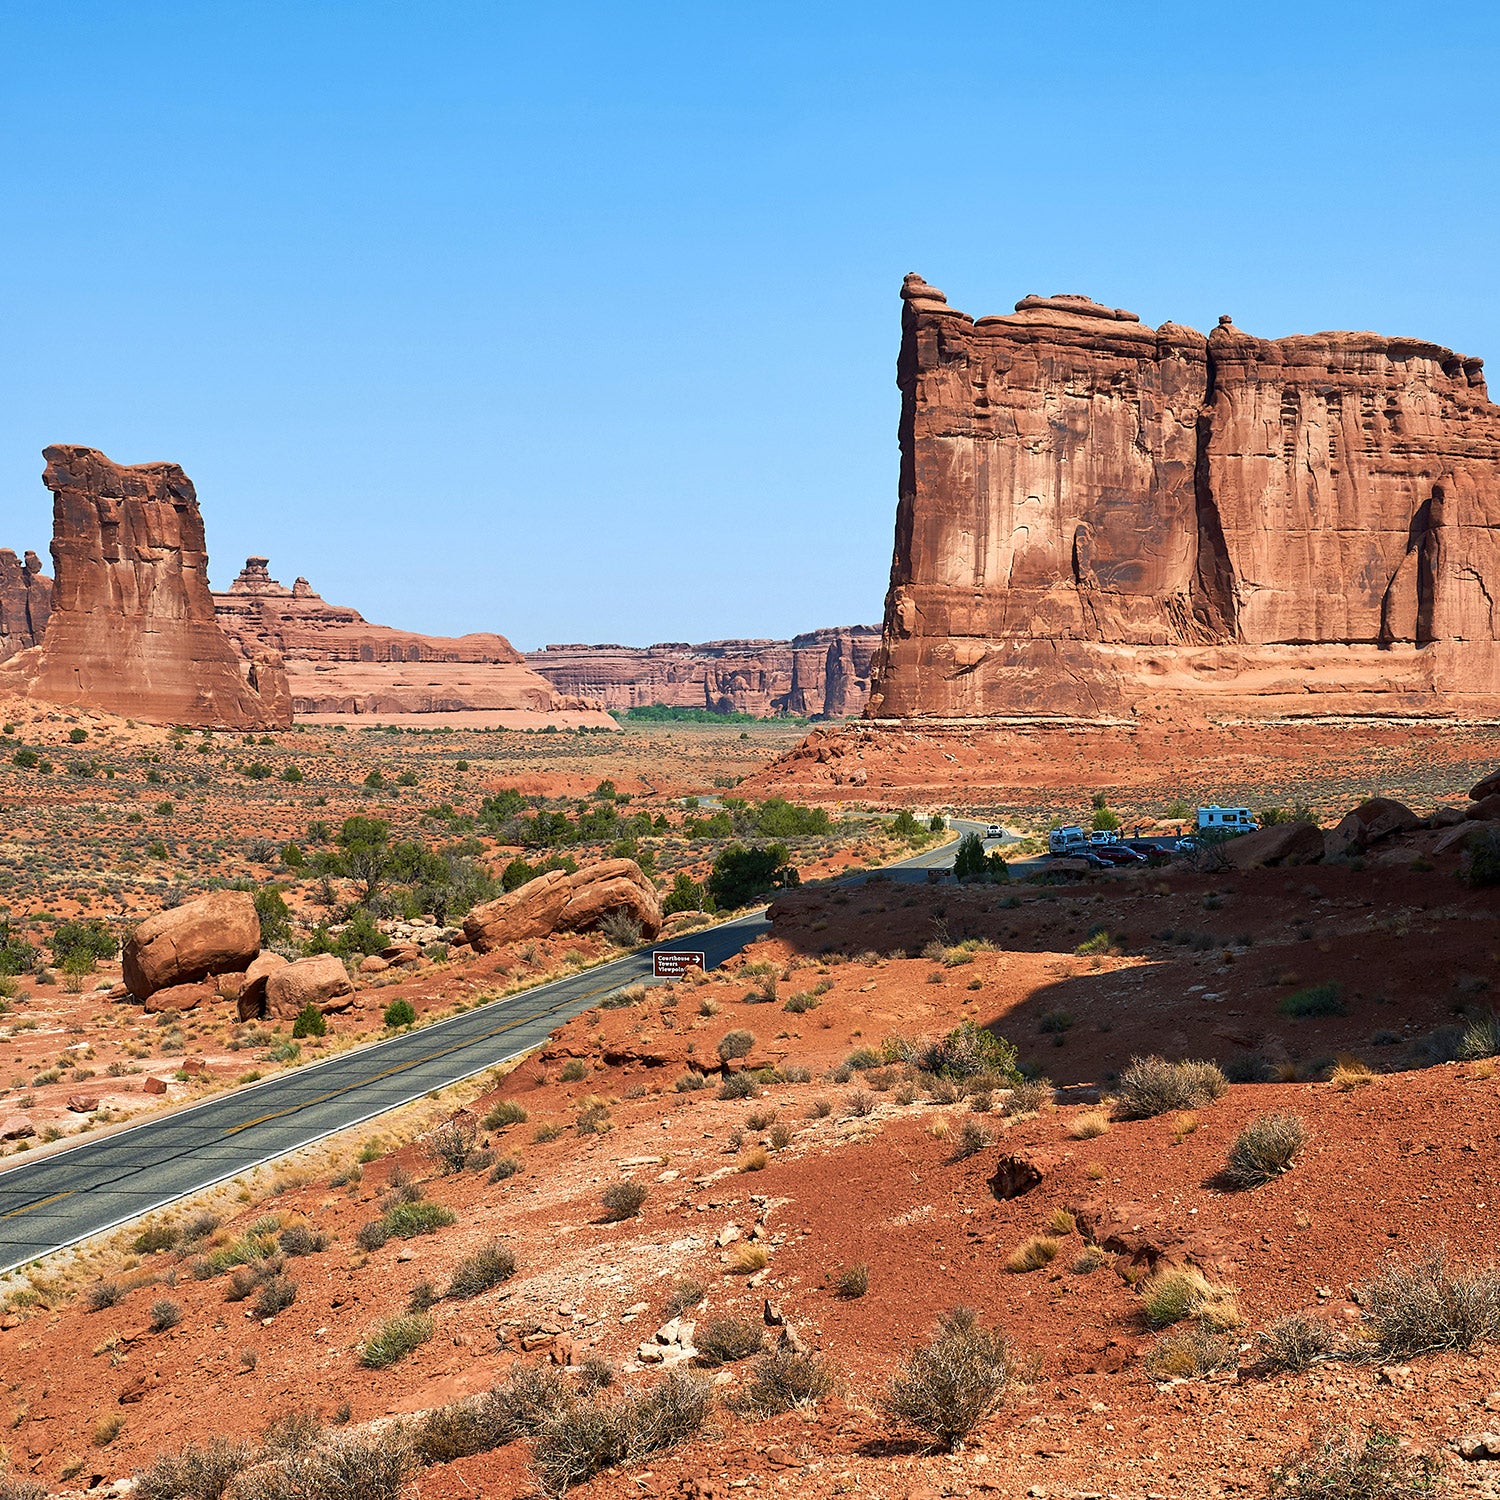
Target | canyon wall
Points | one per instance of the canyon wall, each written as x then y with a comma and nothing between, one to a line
130,627
1099,519
338,664
25,602
822,674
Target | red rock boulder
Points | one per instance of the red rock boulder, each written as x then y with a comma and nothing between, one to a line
251,1000
321,980
213,934
179,997
1378,818
560,902
1280,844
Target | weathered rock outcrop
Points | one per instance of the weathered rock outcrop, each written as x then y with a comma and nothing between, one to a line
336,662
320,980
131,629
822,674
1099,518
560,902
214,934
25,602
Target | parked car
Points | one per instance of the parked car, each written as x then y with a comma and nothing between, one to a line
1104,836
1119,854
994,831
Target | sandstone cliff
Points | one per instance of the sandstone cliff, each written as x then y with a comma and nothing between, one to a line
822,674
131,629
25,602
1099,518
337,663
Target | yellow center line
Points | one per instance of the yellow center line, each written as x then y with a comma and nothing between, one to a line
40,1203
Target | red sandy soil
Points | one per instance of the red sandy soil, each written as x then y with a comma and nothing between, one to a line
1392,1168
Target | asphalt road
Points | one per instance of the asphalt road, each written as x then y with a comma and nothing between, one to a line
58,1199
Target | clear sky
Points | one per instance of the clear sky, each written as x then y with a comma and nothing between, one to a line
578,322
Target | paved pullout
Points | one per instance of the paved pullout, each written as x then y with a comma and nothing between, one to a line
67,1196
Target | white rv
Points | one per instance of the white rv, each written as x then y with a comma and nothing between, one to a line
1066,840
1236,819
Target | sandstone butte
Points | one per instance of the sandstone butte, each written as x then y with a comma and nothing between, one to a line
130,628
25,602
338,664
1100,519
824,674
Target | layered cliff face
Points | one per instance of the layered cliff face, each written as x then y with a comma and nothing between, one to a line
822,674
131,629
1099,518
25,602
337,663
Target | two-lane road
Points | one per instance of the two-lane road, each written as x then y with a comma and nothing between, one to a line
60,1198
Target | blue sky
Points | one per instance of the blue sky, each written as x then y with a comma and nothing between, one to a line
578,322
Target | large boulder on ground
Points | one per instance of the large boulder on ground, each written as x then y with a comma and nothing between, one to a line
560,902
1485,810
1486,788
1379,818
1280,844
251,1000
179,997
213,934
321,980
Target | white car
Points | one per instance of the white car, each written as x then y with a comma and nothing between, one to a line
994,831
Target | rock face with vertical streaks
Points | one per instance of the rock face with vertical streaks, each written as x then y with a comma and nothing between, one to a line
131,629
25,602
1098,519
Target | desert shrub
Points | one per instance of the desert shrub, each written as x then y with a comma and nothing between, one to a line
165,1314
965,1051
351,1466
582,1438
80,938
721,1341
520,1405
102,1295
486,1268
1264,1149
951,1384
1029,1095
686,1294
458,1430
505,1167
690,1081
748,1257
972,1139
1249,1067
295,1431
373,1235
1315,1000
1345,1466
853,1281
739,1086
452,1144
1031,1255
394,1340
1481,1038
1088,1125
740,875
1179,1292
302,1239
193,1474
1152,1085
1195,1350
621,929
504,1113
399,1013
309,1022
624,1200
1430,1305
1480,862
593,1118
1298,1341
785,1381
276,1294
575,1070
407,1220
736,1044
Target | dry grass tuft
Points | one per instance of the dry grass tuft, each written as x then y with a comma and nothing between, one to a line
1031,1255
1091,1123
1180,1292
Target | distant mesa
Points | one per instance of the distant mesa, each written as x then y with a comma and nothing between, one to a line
338,665
1101,519
822,674
128,625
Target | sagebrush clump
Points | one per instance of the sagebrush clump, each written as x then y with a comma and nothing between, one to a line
950,1385
1151,1086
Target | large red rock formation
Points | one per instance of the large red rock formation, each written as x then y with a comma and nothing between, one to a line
823,674
132,628
1098,518
337,663
25,602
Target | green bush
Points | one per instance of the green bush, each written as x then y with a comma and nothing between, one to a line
740,876
488,1267
1344,1466
972,863
26,759
686,895
309,1022
394,1340
777,818
400,1013
407,1220
965,1052
275,916
1264,1149
1315,1000
89,937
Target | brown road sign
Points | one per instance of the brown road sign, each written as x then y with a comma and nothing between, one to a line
673,964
